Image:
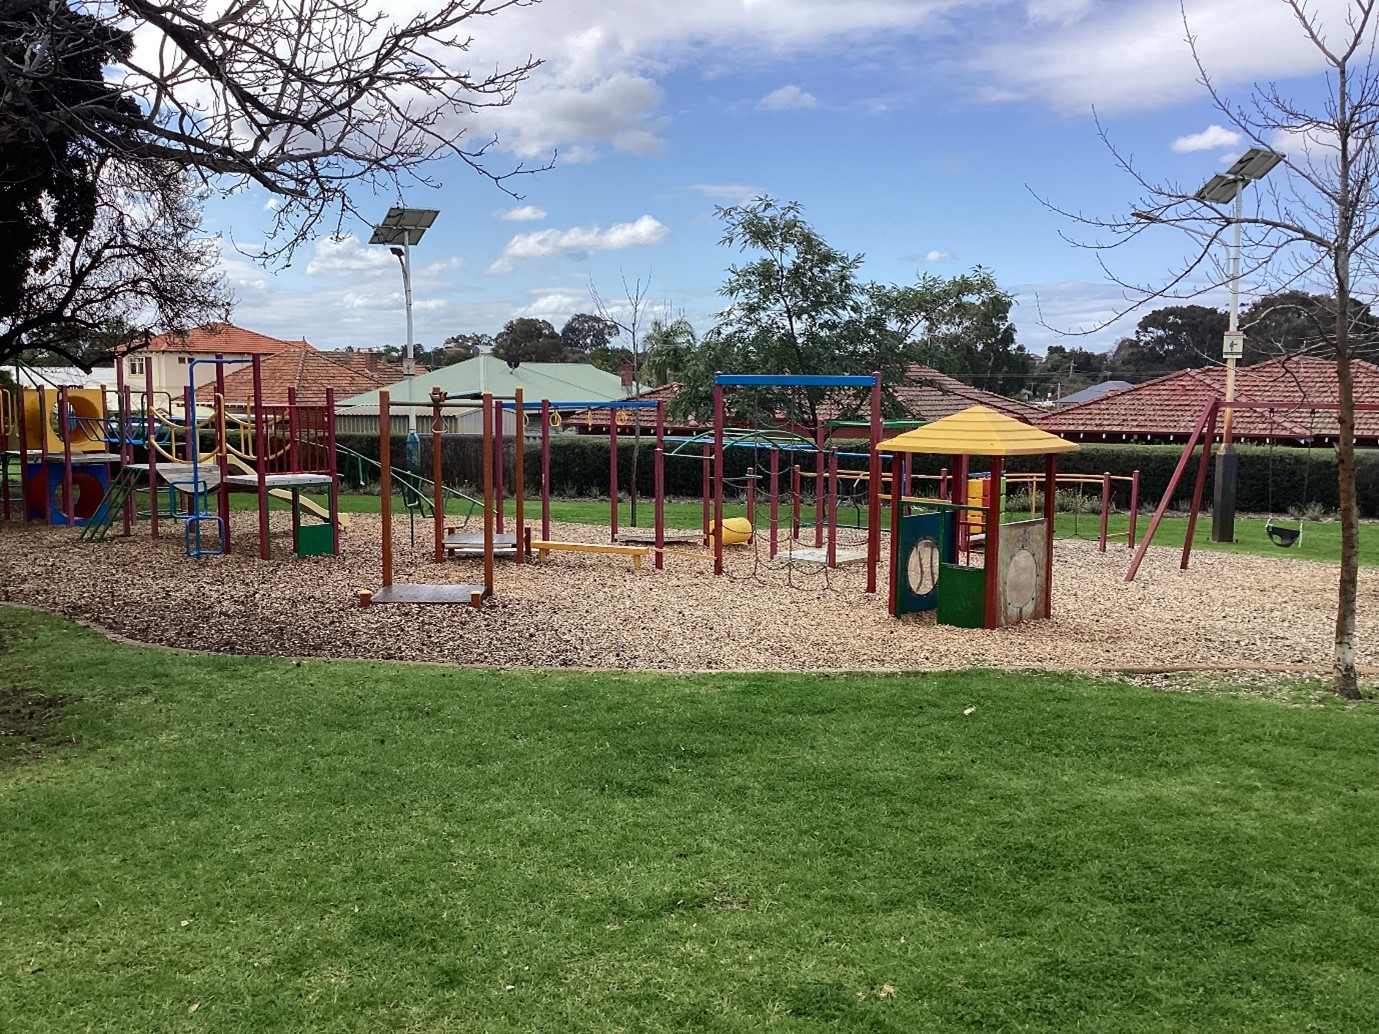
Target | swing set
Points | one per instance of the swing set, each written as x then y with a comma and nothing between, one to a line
1204,433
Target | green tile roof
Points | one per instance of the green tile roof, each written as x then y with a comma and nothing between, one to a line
559,382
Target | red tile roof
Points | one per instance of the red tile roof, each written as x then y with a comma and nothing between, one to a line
223,339
372,363
1169,407
308,371
926,395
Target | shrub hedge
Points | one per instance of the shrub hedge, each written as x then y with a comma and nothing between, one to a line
1270,480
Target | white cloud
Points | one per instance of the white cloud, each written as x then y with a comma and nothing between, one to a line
522,214
336,255
550,243
1060,12
1209,139
934,255
787,98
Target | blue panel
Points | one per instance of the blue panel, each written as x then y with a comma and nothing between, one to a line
918,560
739,380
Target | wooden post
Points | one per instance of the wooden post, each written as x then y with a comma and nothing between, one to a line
1105,509
546,469
717,478
437,490
222,449
897,492
385,473
660,484
1208,414
260,453
1134,508
150,426
489,438
613,472
1050,509
333,469
992,545
820,489
1197,490
519,473
833,508
498,462
775,499
874,490
64,421
795,502
706,470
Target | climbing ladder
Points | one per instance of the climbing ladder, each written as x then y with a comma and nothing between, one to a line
124,486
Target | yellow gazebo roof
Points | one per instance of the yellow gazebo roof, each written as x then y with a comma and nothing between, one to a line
978,431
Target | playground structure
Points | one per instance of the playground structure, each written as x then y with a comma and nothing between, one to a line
77,461
934,540
1203,434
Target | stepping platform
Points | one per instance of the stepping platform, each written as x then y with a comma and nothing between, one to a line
469,544
543,548
468,595
811,555
643,537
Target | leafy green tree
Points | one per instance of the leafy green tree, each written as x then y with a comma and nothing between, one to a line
529,340
797,305
585,332
670,345
1299,323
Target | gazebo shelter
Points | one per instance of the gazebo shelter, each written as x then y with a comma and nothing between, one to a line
1003,575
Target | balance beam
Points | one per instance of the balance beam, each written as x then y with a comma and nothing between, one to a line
542,547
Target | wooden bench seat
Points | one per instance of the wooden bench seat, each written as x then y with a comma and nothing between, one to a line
542,547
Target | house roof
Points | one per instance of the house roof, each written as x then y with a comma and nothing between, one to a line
222,339
1169,407
64,376
375,364
1096,391
559,382
926,395
978,431
929,395
308,371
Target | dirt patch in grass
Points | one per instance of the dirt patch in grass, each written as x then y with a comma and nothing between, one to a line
27,721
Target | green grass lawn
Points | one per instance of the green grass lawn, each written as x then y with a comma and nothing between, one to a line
239,844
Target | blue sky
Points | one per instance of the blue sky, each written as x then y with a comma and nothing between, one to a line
917,132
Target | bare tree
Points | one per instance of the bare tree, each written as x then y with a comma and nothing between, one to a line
628,319
307,99
1317,225
141,266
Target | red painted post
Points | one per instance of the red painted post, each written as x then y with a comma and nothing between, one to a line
613,473
707,467
992,544
222,453
545,469
437,490
498,464
1134,507
795,502
150,431
943,483
832,490
717,479
64,419
874,489
385,474
490,409
260,454
775,500
660,484
897,492
1050,491
519,474
1209,413
1105,509
1197,491
752,503
820,489
294,460
334,471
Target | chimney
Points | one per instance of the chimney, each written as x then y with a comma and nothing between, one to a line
627,376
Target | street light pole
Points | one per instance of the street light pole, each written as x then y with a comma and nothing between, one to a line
409,366
1253,165
405,227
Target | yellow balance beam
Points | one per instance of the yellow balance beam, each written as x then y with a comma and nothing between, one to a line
543,547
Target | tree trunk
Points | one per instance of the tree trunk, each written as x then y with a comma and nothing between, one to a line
1344,679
